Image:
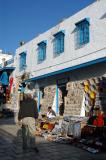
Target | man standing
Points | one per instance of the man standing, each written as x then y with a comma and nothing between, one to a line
27,114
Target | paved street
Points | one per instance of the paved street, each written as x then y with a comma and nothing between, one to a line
11,147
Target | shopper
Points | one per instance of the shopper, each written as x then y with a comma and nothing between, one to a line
27,115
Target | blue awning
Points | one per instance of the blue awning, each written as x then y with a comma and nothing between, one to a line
7,68
68,69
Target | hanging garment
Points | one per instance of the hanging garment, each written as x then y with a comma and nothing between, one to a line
11,83
4,78
99,121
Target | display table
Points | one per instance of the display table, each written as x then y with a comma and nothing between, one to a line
47,125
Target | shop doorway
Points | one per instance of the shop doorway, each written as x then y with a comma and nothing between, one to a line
63,93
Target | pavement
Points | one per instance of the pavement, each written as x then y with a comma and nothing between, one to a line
11,147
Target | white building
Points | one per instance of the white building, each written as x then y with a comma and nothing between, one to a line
74,49
6,62
4,57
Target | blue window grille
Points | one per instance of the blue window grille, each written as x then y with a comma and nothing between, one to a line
82,32
41,51
22,64
58,44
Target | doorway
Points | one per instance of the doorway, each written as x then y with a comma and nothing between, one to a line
63,91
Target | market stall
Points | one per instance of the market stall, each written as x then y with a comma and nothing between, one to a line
6,81
87,132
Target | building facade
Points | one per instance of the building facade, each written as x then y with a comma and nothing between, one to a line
60,60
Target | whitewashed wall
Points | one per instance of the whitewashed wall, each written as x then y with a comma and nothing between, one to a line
95,49
5,56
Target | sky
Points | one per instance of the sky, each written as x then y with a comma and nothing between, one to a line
23,20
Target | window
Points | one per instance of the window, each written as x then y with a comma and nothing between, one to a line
58,44
22,61
41,51
82,32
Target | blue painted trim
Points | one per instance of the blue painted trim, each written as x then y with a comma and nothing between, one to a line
69,69
57,100
45,41
88,19
85,19
42,42
61,31
7,68
24,53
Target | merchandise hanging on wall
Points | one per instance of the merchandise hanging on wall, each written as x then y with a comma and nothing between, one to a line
4,79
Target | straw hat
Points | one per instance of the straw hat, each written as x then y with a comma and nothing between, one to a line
86,83
92,95
92,81
93,88
86,88
97,80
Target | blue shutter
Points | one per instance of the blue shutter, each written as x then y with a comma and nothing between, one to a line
22,61
62,43
86,33
41,51
82,29
58,46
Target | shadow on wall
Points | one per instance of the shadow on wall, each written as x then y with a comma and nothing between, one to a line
103,16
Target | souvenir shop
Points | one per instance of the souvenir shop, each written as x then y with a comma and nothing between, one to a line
6,83
83,99
84,121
